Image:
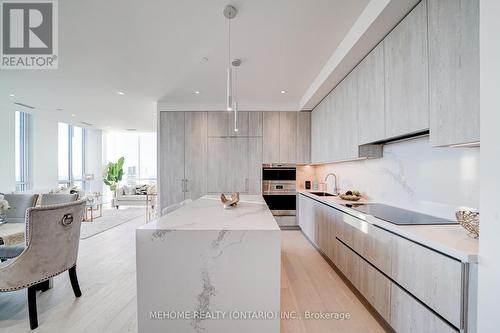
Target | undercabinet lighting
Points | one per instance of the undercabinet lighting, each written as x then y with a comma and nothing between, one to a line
121,93
467,145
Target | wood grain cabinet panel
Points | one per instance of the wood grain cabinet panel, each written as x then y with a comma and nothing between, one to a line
406,75
454,71
196,159
255,123
171,158
221,124
271,136
408,315
254,182
303,138
288,137
371,85
227,165
432,277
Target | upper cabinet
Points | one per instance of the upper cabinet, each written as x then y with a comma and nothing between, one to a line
406,75
286,137
221,124
371,109
454,71
304,137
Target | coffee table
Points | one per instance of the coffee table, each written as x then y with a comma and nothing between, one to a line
93,208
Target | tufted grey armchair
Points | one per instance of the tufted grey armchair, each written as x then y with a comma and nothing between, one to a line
52,239
56,198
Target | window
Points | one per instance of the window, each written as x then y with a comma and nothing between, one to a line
71,147
139,151
21,148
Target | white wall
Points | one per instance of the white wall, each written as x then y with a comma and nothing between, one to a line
7,151
489,241
415,176
94,159
44,153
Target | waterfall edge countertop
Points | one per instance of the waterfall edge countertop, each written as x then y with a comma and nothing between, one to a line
451,240
208,265
207,213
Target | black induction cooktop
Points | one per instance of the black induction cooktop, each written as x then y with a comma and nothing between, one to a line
397,215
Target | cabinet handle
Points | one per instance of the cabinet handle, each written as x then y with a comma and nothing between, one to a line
185,185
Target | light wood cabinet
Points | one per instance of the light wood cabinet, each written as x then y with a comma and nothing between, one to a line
182,156
171,158
303,138
255,123
406,75
345,119
228,165
288,137
195,155
254,182
408,315
453,71
433,278
371,108
221,124
271,137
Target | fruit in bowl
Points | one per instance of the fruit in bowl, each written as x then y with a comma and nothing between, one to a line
351,195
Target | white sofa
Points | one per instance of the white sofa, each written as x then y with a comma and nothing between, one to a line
126,196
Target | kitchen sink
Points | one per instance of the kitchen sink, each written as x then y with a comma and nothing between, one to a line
322,194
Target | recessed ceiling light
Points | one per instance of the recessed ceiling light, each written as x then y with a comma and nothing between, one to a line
283,92
12,95
121,93
197,92
73,115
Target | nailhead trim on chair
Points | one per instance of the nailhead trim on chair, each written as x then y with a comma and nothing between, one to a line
36,282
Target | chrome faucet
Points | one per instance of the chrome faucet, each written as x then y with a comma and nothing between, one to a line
335,189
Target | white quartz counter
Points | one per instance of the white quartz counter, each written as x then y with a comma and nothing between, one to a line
451,240
208,213
203,268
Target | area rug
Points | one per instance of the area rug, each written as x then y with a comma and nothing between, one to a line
110,219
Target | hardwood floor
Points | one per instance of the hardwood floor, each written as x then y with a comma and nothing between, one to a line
106,270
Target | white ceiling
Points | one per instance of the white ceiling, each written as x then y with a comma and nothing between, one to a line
153,51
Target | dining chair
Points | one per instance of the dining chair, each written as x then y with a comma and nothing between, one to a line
57,198
19,203
52,240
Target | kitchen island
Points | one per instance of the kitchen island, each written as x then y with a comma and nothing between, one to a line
203,268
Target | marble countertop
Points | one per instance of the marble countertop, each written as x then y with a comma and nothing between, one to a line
207,213
451,240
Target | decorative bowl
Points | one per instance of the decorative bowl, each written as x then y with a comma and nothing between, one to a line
350,197
470,221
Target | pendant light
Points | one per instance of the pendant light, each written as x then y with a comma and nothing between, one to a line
229,13
235,63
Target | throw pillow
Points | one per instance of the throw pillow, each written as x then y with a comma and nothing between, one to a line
128,190
141,189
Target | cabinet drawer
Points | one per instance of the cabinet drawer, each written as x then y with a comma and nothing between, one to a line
408,315
432,277
372,284
371,242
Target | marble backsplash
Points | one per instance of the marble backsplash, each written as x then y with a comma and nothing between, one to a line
411,175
